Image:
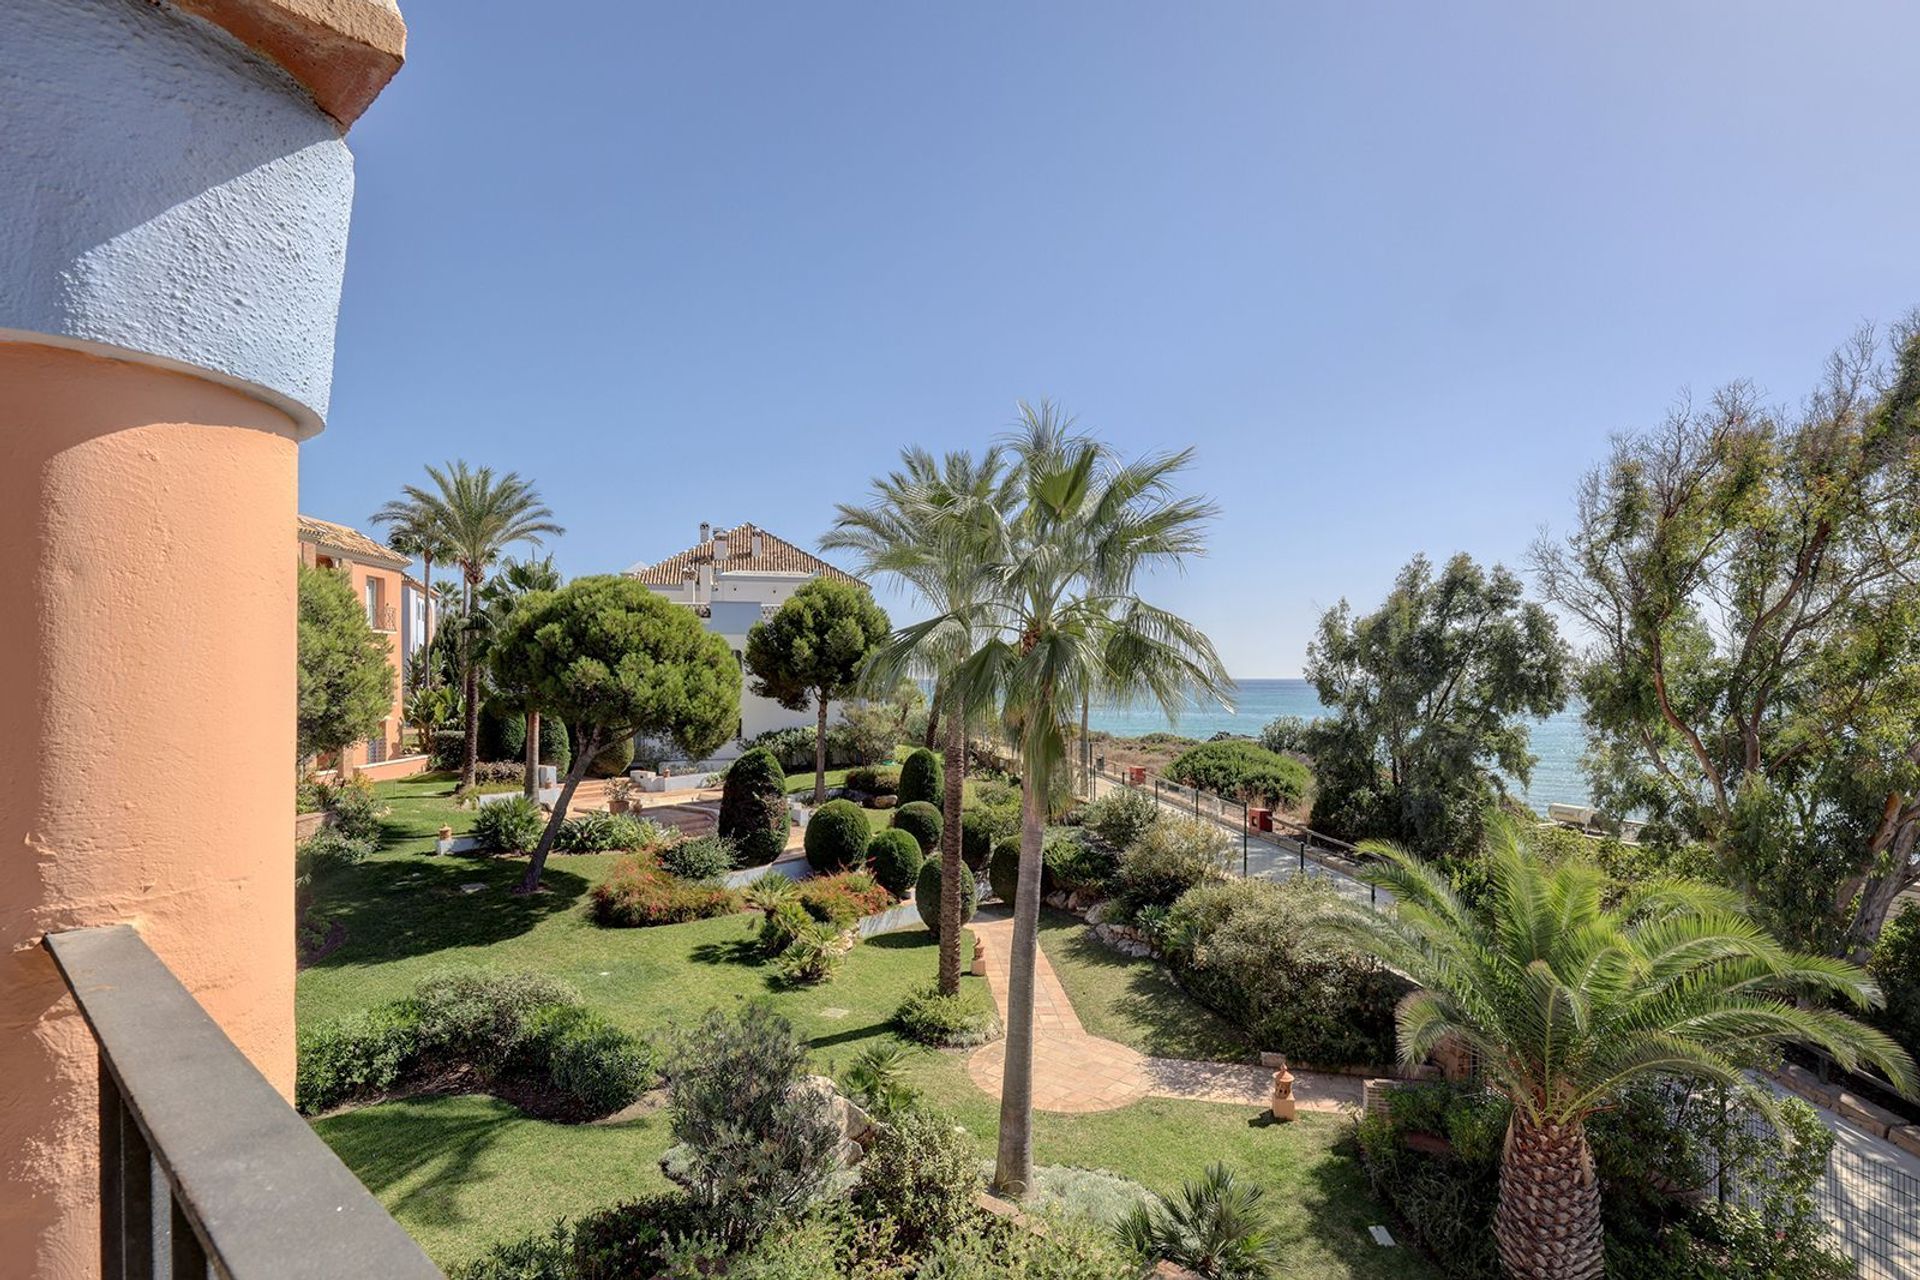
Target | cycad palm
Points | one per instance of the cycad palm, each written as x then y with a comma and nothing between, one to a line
932,525
1056,619
479,515
1216,1227
1566,997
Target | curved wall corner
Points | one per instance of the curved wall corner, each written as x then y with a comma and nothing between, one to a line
171,197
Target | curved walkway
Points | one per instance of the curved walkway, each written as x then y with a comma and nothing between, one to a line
1075,1071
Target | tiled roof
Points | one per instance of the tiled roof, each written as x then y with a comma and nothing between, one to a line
351,543
777,555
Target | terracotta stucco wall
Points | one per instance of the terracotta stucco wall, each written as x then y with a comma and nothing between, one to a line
146,737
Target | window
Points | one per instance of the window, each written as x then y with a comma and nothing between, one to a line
373,600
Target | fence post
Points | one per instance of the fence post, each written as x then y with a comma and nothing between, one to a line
1245,822
1156,791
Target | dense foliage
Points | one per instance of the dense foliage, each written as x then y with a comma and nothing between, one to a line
923,778
944,1021
1430,698
1244,771
753,807
346,681
702,858
1121,817
1749,573
638,892
837,836
812,652
921,1177
1896,967
512,825
923,822
928,888
1168,858
896,858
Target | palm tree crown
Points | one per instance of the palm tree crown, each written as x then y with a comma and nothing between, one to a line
1566,995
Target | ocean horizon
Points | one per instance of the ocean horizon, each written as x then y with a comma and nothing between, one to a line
1558,740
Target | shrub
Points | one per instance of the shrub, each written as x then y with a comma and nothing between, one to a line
612,761
538,1255
792,748
895,856
509,826
1242,770
706,858
923,822
877,1080
923,778
355,808
1242,948
1285,735
844,900
922,1175
356,1056
327,849
837,837
814,954
753,808
1171,857
874,780
1003,873
980,829
1077,864
1121,817
483,1016
555,747
944,1022
595,1066
1896,967
638,893
781,924
759,1139
927,889
599,832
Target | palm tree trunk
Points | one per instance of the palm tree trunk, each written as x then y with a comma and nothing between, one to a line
1548,1224
531,783
933,721
588,750
1086,753
956,782
1013,1170
470,685
820,752
426,571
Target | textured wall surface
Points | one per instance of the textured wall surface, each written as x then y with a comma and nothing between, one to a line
169,192
146,739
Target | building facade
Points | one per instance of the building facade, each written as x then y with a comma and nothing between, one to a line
399,608
733,578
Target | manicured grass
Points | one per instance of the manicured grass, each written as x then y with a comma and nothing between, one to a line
462,1172
802,783
1133,999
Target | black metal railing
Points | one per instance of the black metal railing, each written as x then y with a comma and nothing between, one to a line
205,1171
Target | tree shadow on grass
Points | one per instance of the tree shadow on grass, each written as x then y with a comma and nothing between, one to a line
904,940
740,951
393,908
1340,1203
436,1146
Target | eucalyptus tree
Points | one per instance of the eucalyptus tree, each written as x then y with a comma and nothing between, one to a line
1056,618
480,515
1569,992
1750,579
932,525
413,531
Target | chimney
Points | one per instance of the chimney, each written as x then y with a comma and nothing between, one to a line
706,533
757,545
720,548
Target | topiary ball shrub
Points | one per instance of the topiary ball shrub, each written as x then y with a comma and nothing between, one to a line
978,830
922,821
1003,872
837,837
896,859
922,777
613,761
753,808
927,890
509,826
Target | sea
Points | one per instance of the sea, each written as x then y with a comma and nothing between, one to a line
1557,740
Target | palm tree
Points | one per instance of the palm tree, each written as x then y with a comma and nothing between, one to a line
480,515
1216,1227
931,525
411,531
1567,997
505,592
1056,618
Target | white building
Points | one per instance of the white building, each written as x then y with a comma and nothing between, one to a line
733,578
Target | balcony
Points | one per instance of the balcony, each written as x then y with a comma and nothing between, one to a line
383,617
204,1169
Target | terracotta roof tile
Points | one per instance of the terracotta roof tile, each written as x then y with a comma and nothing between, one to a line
777,555
350,543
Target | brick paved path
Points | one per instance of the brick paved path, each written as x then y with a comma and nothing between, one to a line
1075,1071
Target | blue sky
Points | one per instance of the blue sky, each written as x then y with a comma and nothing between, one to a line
1396,270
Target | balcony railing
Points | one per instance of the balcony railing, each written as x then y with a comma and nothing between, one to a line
204,1170
383,617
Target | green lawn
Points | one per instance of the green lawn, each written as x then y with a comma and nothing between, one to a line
461,1172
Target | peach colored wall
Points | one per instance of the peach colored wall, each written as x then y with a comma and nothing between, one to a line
146,738
391,581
